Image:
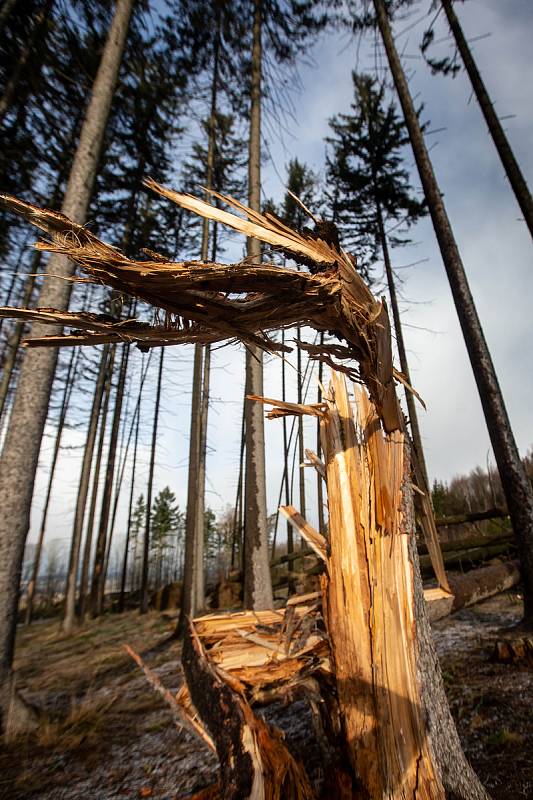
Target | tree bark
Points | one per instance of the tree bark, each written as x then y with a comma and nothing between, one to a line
98,577
290,540
319,479
61,424
516,486
19,459
146,544
84,579
200,512
399,734
132,487
507,157
257,580
69,618
16,335
402,352
189,595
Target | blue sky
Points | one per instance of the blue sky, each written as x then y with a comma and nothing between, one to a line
494,243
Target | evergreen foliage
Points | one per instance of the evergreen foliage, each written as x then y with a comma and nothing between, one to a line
366,177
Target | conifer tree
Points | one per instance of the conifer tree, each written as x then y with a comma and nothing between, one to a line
371,191
21,449
517,488
165,525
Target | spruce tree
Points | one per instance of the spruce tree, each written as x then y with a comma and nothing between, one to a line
372,192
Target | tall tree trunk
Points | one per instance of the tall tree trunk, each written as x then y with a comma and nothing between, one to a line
98,577
189,594
146,545
507,157
516,486
319,485
257,580
16,335
84,578
236,538
290,540
67,392
81,501
301,446
193,595
130,504
25,54
200,512
404,364
20,455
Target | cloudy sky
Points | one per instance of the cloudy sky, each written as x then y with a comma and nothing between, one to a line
494,243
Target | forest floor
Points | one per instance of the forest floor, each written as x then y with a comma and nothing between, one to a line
106,735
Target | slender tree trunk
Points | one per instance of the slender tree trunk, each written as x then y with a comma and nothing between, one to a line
200,514
193,595
257,580
236,538
123,450
98,577
67,392
319,485
516,486
81,502
301,444
507,157
146,549
290,540
27,52
16,335
411,407
130,505
20,455
189,594
84,579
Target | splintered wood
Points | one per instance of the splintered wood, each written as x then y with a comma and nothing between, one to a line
350,649
266,653
369,602
209,302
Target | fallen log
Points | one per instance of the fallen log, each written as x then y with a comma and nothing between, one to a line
480,584
254,761
470,541
471,516
471,555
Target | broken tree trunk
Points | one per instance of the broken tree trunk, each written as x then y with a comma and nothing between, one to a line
369,591
254,760
395,724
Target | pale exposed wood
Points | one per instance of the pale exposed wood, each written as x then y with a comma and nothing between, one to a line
316,462
314,539
438,602
372,627
205,303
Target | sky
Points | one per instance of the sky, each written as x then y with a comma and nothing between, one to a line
494,243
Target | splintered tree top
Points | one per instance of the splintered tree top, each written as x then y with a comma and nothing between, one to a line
208,302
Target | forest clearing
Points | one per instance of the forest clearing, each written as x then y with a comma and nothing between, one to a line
120,741
245,549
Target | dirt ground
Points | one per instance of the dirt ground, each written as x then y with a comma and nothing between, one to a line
106,735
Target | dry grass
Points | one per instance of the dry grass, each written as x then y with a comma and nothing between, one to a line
89,694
